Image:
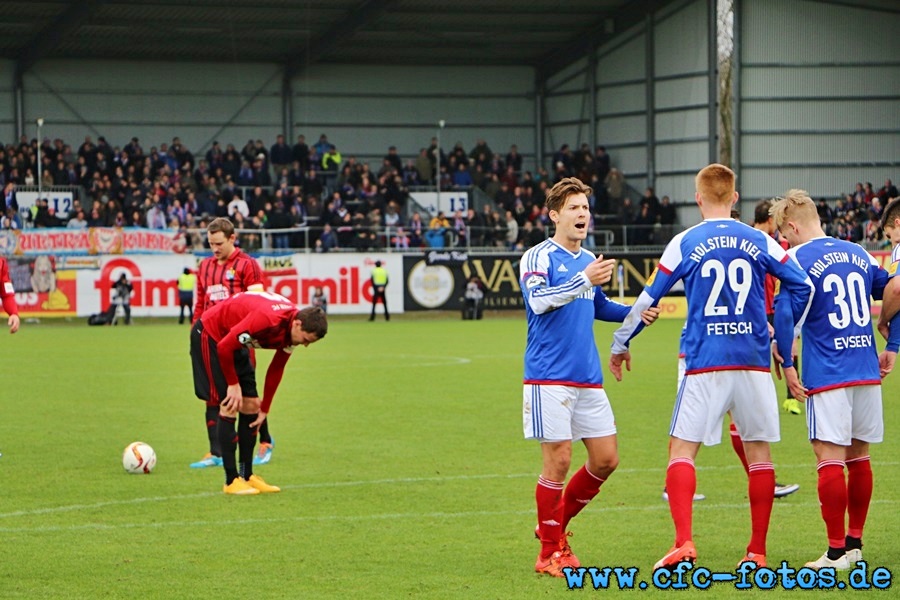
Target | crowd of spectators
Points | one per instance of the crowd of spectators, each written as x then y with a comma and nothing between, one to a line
351,206
856,216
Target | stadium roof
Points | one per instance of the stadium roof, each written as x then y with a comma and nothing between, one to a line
297,33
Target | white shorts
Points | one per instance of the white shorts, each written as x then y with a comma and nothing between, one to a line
842,414
705,398
556,413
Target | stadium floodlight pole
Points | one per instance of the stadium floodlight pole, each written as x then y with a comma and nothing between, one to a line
437,164
40,123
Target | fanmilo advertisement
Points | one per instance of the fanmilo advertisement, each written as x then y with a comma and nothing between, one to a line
68,286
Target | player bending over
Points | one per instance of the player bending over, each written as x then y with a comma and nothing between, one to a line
220,342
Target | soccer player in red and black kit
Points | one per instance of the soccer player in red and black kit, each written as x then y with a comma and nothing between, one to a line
223,373
227,272
8,297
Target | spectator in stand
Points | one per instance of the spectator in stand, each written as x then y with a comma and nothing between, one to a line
514,159
458,155
322,146
11,220
280,155
410,174
474,227
328,239
331,160
615,188
461,177
887,192
652,202
563,157
261,174
400,240
460,230
416,229
667,218
300,153
480,148
156,216
393,159
643,226
238,205
601,160
858,198
826,215
78,221
870,193
512,230
425,167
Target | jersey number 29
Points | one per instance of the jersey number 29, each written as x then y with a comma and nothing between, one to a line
739,277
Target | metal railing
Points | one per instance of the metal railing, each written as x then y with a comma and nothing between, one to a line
366,238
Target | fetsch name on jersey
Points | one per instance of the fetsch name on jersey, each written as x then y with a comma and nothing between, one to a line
724,241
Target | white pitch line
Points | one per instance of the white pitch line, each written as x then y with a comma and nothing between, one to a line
364,482
662,506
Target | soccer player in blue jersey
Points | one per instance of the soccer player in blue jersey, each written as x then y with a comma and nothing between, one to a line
890,306
841,379
563,394
723,264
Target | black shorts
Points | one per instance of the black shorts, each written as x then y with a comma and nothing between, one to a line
209,381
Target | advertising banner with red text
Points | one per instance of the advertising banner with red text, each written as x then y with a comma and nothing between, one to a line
343,277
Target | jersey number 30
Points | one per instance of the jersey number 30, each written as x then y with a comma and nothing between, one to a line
739,277
855,292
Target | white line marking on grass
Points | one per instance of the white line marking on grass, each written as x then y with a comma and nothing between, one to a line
415,360
662,506
363,482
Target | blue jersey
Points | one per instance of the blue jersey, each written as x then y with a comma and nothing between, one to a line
894,340
838,342
561,305
723,264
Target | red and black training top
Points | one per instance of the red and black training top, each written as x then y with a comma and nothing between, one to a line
216,282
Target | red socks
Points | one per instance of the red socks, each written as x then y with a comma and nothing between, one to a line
548,495
738,444
681,483
761,489
582,488
833,500
859,494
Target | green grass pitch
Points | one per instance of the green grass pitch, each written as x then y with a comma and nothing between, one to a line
399,449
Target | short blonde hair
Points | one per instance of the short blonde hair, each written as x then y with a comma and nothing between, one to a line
569,186
796,205
716,184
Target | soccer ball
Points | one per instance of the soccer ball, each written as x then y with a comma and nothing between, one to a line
139,458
